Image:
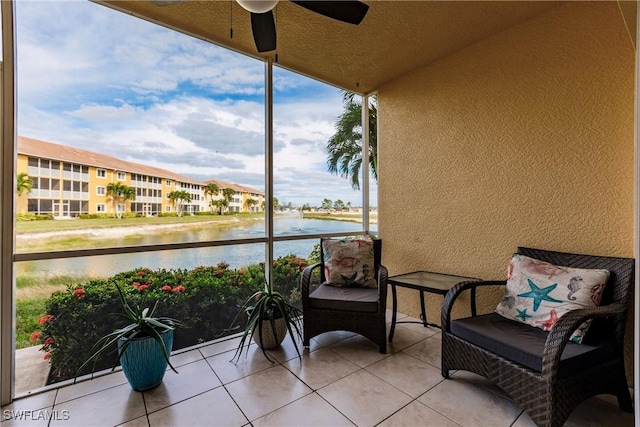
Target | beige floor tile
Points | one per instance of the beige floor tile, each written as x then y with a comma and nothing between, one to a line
185,358
407,373
137,422
598,413
417,414
364,398
419,328
480,381
524,421
91,386
330,338
403,338
191,380
321,367
219,347
37,419
266,391
113,406
360,350
250,362
287,350
311,410
469,405
428,350
37,401
213,408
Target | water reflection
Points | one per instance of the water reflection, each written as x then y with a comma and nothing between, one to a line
236,256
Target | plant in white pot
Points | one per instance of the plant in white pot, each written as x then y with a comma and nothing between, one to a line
143,346
269,317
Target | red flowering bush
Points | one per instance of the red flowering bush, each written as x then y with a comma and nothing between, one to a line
206,298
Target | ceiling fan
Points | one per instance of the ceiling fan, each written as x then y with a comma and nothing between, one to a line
263,25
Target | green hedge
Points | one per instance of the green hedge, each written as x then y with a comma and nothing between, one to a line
205,298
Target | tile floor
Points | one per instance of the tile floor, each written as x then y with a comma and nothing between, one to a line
342,380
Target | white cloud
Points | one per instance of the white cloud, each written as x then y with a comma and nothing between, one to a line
100,80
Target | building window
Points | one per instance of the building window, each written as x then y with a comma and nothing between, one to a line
120,208
122,176
101,208
168,183
167,208
101,173
101,191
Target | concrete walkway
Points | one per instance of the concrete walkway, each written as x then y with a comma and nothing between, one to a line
31,369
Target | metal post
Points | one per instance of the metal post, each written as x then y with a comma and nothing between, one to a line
268,164
365,163
7,205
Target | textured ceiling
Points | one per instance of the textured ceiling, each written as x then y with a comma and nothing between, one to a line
394,38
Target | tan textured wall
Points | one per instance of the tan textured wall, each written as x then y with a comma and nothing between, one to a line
523,139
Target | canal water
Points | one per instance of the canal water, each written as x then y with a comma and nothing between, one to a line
236,256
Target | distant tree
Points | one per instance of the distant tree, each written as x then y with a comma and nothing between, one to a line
220,205
211,190
326,204
178,199
276,204
348,205
227,194
24,183
345,146
120,193
250,203
306,207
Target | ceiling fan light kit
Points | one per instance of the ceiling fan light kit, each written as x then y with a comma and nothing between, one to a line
258,6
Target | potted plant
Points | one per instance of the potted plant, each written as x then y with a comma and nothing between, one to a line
143,346
269,316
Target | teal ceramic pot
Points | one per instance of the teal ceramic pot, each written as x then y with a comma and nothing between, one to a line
143,363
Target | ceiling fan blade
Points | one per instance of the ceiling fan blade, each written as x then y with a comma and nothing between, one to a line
352,12
264,31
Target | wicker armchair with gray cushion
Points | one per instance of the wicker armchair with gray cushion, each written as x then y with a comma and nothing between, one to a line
356,308
547,373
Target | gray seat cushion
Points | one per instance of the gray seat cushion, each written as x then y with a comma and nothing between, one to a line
524,344
327,297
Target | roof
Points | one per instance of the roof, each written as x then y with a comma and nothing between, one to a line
237,187
64,153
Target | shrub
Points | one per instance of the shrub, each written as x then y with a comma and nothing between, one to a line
206,298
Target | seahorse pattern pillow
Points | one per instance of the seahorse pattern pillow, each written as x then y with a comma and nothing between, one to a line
539,293
349,262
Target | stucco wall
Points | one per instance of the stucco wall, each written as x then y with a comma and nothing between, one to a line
523,139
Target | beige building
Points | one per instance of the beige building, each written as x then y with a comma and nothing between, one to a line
68,182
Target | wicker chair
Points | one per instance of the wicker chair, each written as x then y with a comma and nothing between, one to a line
560,375
360,310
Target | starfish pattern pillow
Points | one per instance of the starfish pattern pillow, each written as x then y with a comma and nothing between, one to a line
349,262
539,293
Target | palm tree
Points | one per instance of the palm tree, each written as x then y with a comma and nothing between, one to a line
345,146
210,190
250,203
228,194
25,183
220,204
179,198
120,193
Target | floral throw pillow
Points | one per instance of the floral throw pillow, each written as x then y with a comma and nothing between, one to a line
539,293
349,262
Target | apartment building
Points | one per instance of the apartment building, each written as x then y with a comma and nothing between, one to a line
68,181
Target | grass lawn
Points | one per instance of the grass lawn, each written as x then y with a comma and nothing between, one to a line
81,224
28,311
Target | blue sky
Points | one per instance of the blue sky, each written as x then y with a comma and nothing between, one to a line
100,80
